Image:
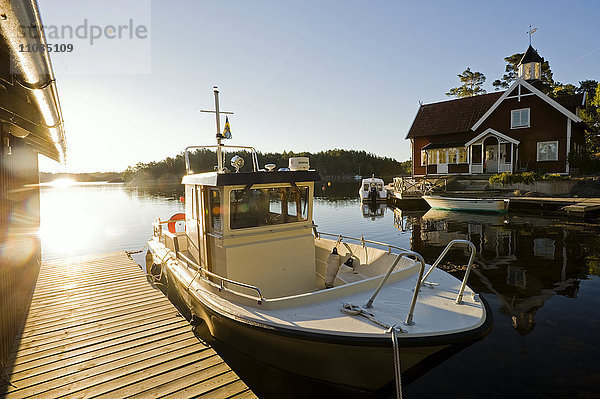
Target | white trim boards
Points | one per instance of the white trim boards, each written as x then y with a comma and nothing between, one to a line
492,132
528,86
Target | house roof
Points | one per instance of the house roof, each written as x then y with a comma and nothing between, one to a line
531,55
467,114
452,116
571,101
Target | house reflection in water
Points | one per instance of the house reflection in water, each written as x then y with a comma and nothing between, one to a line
523,261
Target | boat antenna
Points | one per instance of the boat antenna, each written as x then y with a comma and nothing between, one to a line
219,135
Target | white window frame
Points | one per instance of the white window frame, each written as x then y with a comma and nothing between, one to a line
540,144
520,111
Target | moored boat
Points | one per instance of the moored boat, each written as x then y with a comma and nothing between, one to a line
256,277
468,204
372,189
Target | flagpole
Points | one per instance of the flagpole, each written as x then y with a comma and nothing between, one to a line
219,153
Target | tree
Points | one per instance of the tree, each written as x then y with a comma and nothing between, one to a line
591,116
512,69
587,86
560,89
471,86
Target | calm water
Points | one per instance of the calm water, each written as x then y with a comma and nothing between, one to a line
539,274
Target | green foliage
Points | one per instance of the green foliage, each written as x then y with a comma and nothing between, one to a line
332,162
471,86
507,179
586,163
511,73
591,116
560,89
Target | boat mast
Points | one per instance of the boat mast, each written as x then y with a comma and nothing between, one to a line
219,135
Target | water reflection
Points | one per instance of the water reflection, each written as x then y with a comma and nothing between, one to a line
373,210
523,261
541,277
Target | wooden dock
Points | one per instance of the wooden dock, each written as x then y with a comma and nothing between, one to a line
97,328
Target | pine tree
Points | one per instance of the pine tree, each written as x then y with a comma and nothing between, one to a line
471,86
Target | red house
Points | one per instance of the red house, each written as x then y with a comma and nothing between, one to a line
520,129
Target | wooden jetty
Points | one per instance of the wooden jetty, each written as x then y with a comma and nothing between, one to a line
97,328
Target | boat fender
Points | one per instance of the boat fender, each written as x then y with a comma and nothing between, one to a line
334,261
348,266
173,220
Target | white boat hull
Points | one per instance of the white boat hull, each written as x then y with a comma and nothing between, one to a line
312,338
468,204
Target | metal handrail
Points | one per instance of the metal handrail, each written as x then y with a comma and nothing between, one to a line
360,240
469,267
404,252
255,165
409,318
222,280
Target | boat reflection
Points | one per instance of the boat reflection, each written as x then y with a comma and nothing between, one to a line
523,261
373,210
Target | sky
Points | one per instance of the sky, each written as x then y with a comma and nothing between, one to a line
298,75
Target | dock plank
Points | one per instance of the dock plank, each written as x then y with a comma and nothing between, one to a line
97,327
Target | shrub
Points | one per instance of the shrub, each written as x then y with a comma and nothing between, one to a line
526,178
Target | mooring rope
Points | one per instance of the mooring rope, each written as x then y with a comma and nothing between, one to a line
354,310
397,368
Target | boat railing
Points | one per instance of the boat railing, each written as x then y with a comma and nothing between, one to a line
419,258
360,240
222,280
255,166
469,266
403,252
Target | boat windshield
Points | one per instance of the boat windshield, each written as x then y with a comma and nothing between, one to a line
268,206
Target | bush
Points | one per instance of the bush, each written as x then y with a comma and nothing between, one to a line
586,164
526,178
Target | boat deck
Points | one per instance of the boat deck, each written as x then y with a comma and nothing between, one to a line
96,327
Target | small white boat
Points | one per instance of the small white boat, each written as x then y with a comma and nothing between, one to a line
468,204
372,189
257,279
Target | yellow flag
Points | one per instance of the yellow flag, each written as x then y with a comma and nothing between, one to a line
227,129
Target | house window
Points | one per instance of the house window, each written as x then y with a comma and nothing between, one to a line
452,155
463,155
547,151
519,118
423,157
432,157
442,156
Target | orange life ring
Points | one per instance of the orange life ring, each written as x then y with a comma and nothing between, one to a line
174,219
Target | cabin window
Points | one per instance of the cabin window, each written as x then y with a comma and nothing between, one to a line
214,210
432,157
547,151
423,158
268,206
519,118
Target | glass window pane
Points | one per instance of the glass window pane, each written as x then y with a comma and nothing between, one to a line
268,206
215,209
462,155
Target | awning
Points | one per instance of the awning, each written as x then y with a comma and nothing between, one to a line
452,144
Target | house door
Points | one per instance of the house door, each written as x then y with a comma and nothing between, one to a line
442,166
491,159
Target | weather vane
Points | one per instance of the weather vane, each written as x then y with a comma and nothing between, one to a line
531,32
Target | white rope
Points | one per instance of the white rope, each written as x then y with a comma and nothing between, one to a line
397,368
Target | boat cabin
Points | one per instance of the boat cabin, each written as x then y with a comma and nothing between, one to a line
254,227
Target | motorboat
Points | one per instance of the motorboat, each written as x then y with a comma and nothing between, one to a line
468,204
372,189
256,277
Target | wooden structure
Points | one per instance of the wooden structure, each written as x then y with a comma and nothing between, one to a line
519,129
96,327
408,187
30,124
